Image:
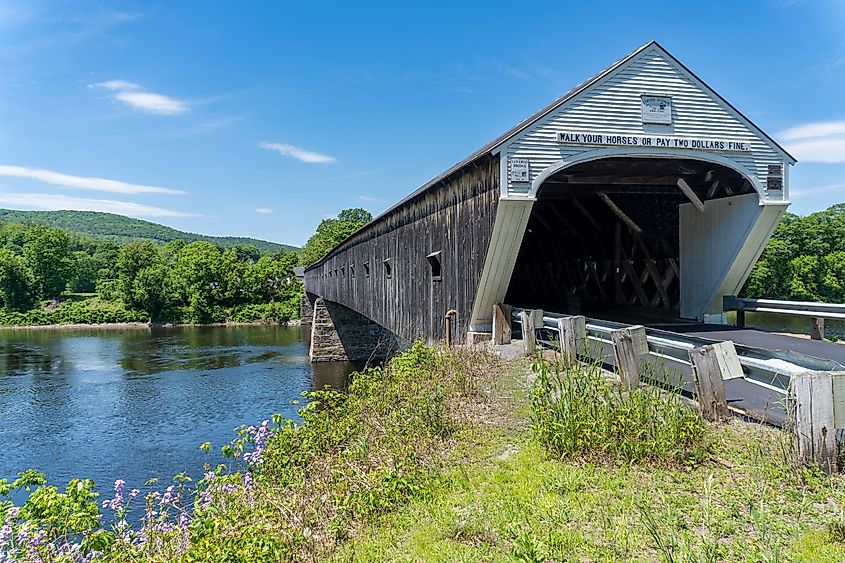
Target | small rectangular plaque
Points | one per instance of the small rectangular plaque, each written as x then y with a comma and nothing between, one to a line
519,170
657,109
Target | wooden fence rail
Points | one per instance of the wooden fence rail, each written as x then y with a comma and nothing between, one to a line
814,400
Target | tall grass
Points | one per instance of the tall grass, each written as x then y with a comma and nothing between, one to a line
576,410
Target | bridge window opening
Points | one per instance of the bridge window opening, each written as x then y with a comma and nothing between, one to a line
434,264
603,236
335,272
343,271
367,268
388,268
352,270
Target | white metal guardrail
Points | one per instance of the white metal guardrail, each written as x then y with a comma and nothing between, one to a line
816,311
768,369
778,386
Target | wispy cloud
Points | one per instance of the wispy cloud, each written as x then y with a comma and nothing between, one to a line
83,182
820,141
53,202
815,191
368,199
135,96
261,210
297,153
358,174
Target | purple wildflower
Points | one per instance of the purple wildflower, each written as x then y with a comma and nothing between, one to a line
169,496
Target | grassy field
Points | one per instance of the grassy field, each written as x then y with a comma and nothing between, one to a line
505,497
459,456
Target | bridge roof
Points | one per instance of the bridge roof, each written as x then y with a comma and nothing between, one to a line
493,146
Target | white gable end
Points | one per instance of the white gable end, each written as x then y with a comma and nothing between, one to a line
612,109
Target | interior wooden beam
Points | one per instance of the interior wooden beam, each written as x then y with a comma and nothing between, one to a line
621,179
580,207
619,213
691,195
711,191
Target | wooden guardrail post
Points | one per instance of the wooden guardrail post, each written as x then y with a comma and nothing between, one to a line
817,328
711,366
502,323
573,334
628,345
811,397
529,336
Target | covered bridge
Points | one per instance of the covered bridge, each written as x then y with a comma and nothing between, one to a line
641,192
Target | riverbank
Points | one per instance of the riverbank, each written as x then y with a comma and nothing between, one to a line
444,456
145,326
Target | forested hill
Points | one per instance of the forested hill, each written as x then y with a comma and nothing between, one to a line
122,229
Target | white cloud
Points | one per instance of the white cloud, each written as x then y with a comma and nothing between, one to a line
368,199
297,153
134,95
821,141
811,130
83,182
53,202
801,193
256,209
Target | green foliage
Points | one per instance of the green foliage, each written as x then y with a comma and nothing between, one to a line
331,232
17,284
576,410
89,311
804,260
47,252
120,229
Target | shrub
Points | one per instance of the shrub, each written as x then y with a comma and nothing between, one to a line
576,410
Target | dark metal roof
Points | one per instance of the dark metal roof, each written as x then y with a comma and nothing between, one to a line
525,123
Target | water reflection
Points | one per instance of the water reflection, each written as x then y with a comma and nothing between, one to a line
136,404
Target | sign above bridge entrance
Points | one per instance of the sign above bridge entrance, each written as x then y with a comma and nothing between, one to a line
652,141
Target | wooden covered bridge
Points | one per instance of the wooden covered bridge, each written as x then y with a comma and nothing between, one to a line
640,193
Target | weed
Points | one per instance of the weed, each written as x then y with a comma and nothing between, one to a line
576,410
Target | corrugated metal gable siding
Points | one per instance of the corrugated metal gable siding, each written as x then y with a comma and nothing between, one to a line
614,106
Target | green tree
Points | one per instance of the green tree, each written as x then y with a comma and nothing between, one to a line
331,232
132,258
17,284
200,282
152,291
84,273
246,253
48,254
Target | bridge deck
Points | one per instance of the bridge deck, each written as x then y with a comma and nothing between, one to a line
761,339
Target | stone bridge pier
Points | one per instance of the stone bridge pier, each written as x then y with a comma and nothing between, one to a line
340,334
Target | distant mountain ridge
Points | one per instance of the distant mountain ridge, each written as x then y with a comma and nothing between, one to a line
120,228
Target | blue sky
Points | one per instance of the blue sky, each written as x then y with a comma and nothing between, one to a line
262,118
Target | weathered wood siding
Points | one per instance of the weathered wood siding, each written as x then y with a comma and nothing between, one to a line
454,218
614,106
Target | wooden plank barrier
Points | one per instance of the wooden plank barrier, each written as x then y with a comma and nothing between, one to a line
502,324
529,335
711,366
573,335
812,403
628,345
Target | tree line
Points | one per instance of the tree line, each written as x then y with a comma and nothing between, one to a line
804,260
50,275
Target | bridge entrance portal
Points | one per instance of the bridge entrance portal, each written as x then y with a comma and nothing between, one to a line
605,237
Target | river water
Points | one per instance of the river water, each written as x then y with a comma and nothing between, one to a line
136,404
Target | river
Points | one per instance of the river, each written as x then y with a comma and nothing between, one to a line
136,404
